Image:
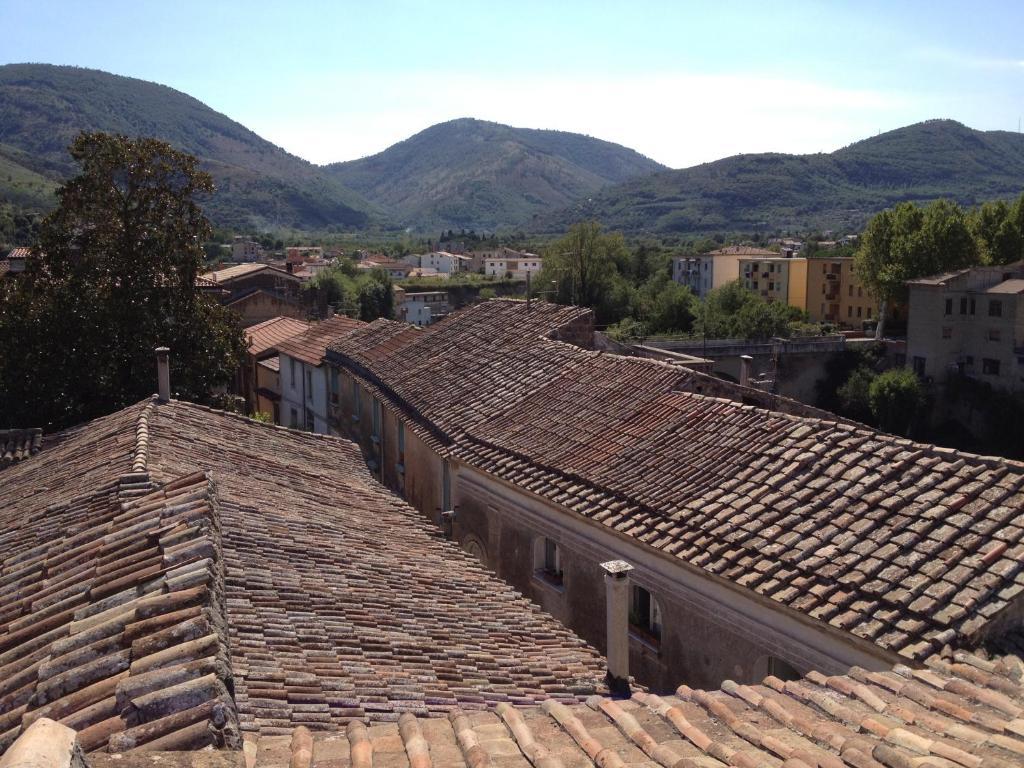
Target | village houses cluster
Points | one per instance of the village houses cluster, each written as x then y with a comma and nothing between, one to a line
476,537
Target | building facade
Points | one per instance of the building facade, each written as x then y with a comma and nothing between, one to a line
306,391
513,264
776,279
969,323
704,272
420,308
836,295
243,250
443,262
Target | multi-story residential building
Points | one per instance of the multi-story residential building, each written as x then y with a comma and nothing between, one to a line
307,388
258,379
776,278
969,322
704,272
514,264
445,263
836,295
420,307
243,250
546,460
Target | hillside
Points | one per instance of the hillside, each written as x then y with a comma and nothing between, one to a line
839,191
42,107
480,175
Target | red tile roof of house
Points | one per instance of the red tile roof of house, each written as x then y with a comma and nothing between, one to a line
238,271
742,250
309,346
267,335
960,712
18,444
19,253
908,546
169,574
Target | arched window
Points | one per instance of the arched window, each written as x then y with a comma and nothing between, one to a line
475,547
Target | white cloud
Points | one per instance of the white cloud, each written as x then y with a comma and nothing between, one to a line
677,119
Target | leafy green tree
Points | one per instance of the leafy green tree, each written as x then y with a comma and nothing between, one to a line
586,267
376,298
999,230
897,400
113,277
673,308
907,242
733,312
855,395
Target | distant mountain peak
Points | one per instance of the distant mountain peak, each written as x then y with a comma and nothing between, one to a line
480,174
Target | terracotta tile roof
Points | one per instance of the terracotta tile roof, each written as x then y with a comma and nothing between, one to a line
326,623
961,713
908,546
238,271
169,571
110,620
5,267
18,444
309,346
19,253
265,336
271,364
462,369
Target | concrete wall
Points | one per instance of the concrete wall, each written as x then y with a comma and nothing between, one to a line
711,632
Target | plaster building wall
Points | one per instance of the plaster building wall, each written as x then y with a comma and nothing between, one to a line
836,295
956,329
709,633
303,395
261,305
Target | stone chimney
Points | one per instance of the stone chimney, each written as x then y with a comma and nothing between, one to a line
330,311
745,361
163,374
616,585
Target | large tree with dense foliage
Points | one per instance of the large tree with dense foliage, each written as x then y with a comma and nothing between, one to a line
113,277
999,229
907,242
897,400
585,268
734,312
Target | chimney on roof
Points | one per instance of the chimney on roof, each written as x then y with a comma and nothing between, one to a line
528,290
330,311
290,267
163,374
745,361
616,585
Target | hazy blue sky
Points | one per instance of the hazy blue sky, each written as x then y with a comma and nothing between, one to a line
682,82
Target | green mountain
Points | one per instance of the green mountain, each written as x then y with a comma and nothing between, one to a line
42,107
838,191
485,176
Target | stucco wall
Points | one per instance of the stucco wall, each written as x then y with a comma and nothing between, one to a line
705,638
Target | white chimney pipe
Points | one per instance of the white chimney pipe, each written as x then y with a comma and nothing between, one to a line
616,584
745,361
163,374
